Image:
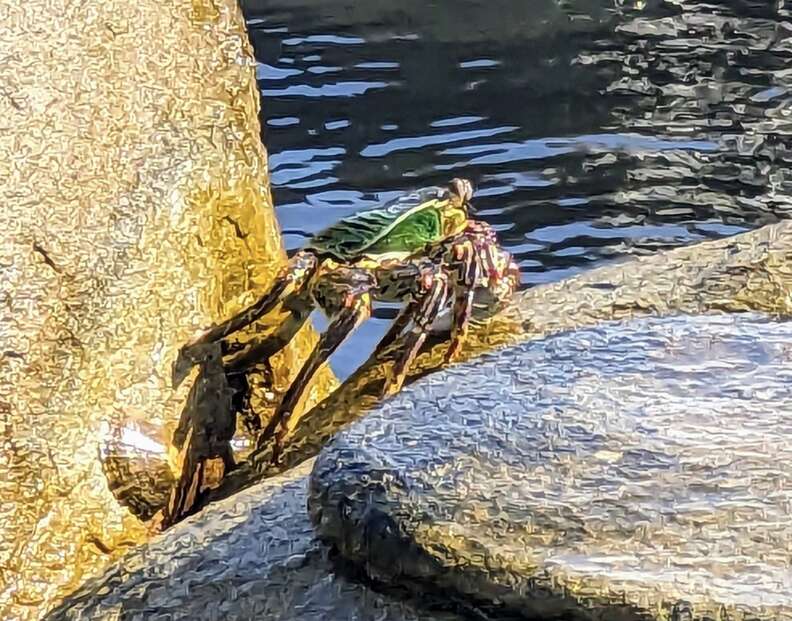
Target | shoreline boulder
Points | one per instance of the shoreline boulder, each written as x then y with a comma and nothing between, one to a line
636,470
253,556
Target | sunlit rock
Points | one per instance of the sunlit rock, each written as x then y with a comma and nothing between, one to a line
135,210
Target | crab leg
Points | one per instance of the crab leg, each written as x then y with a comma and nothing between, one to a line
185,493
271,345
406,273
431,303
185,497
468,272
291,281
356,310
398,325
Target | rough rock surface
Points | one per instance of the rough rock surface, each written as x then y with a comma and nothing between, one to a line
253,556
747,272
134,210
636,470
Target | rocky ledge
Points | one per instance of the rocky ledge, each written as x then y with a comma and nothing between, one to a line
629,471
253,556
632,471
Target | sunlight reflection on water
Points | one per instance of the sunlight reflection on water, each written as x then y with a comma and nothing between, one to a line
591,131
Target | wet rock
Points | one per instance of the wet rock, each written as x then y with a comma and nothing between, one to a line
253,556
629,471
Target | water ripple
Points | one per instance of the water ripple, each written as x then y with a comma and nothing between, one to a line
417,142
335,89
592,129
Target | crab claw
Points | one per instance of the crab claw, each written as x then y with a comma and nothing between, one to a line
189,355
462,188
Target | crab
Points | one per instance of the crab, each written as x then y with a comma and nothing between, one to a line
421,249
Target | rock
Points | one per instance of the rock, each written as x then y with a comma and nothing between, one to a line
747,272
253,556
638,470
134,210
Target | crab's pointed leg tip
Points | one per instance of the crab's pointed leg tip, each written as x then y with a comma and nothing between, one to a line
387,389
181,367
392,386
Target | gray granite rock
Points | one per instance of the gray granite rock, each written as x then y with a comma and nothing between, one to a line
749,272
631,471
252,556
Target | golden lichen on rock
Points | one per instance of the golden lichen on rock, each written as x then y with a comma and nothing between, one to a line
136,210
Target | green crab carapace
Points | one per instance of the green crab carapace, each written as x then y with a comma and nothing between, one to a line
421,249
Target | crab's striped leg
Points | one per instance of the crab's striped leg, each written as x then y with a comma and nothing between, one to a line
408,272
467,272
430,304
291,281
354,310
479,262
399,324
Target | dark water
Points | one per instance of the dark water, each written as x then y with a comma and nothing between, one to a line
591,129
